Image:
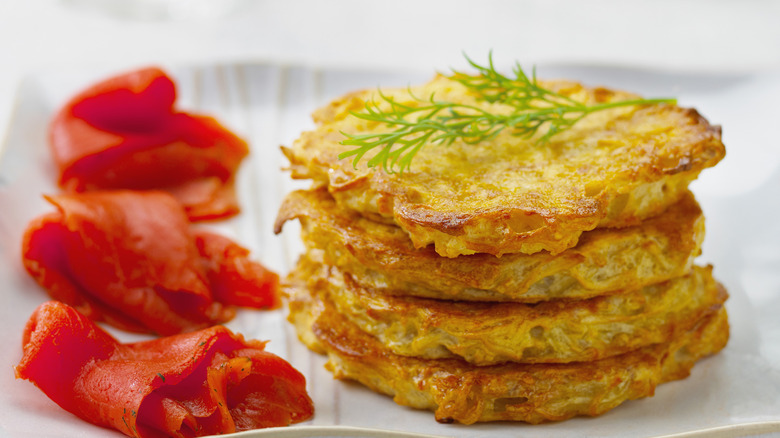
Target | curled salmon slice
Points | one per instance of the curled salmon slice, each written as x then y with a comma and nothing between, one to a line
133,260
125,133
207,382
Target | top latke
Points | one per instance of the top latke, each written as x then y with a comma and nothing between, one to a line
508,194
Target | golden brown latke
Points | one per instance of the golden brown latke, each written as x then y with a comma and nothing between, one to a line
534,393
491,333
382,256
506,194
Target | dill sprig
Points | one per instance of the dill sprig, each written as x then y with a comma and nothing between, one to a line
432,121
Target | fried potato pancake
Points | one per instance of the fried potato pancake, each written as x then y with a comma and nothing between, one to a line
533,393
492,333
381,256
508,194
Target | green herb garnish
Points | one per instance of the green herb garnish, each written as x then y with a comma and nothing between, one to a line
432,121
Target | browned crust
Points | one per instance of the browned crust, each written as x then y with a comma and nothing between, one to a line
549,332
605,260
533,393
449,204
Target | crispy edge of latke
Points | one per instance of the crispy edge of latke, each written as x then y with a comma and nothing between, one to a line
381,256
549,332
456,233
534,393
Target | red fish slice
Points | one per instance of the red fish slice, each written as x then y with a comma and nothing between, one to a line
201,383
234,278
124,133
130,259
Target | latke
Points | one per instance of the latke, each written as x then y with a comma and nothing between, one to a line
533,393
492,333
382,256
508,194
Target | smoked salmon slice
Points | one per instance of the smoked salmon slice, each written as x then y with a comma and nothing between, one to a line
133,260
125,133
206,382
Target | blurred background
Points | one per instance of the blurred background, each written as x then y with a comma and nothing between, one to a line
677,35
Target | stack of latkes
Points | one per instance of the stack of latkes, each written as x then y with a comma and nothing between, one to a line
511,278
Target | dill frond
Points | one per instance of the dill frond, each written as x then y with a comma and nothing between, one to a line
436,122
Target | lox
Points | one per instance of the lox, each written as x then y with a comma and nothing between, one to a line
125,133
200,383
131,259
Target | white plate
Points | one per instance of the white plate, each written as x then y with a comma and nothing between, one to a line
734,393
